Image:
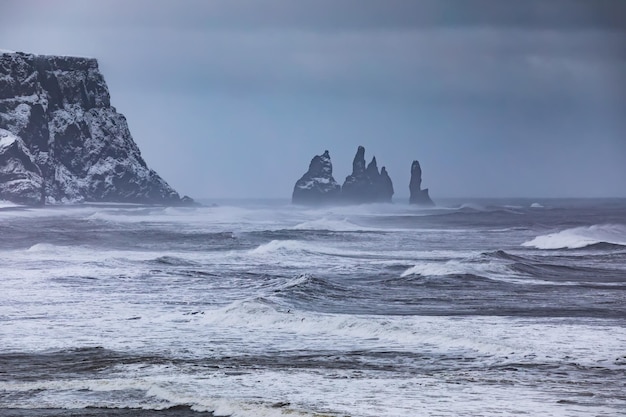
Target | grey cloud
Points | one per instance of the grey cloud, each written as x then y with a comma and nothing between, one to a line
418,64
336,14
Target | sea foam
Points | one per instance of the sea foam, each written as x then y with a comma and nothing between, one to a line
331,225
580,237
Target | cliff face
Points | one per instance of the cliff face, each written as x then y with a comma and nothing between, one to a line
418,196
317,185
63,141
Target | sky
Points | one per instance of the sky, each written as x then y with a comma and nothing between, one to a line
232,98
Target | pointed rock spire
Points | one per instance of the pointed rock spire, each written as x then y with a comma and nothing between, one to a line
366,185
358,163
418,196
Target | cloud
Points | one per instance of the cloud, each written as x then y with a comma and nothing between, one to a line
393,48
341,15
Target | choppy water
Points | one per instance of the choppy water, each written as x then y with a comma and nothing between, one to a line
265,309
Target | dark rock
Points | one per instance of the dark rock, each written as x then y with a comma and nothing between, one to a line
59,113
386,186
188,201
418,196
366,184
20,178
317,185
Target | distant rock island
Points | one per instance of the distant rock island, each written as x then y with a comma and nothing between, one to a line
366,184
317,185
61,141
418,196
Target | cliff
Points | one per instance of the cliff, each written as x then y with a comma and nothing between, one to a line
62,141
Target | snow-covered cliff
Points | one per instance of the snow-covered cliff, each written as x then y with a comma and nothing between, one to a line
62,141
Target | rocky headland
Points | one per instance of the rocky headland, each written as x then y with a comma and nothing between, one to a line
61,141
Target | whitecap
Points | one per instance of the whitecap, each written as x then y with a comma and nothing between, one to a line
485,269
580,237
331,225
278,246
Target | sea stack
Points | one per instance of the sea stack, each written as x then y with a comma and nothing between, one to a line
61,141
418,196
317,185
366,184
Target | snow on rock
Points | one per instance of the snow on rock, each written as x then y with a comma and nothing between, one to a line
317,185
366,184
61,134
20,178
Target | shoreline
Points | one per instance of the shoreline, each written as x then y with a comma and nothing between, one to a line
175,411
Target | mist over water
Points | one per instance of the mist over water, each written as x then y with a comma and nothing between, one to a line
260,308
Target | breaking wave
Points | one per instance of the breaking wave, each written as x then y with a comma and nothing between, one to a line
279,246
331,225
456,267
581,237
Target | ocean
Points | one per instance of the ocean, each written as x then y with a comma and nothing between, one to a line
261,308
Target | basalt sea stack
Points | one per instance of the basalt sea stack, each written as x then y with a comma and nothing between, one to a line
62,141
418,196
366,184
317,185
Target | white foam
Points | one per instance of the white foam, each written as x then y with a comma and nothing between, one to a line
61,297
6,138
279,246
7,204
332,225
472,206
489,269
580,237
536,205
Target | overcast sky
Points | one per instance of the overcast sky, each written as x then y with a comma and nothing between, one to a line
232,98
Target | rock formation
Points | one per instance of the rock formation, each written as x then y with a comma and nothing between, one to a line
317,185
21,181
418,196
366,184
62,141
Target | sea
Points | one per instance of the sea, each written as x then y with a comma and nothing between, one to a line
260,308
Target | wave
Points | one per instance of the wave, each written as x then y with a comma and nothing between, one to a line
459,267
581,237
327,224
174,261
279,246
504,267
43,247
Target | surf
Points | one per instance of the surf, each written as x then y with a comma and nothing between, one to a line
580,237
